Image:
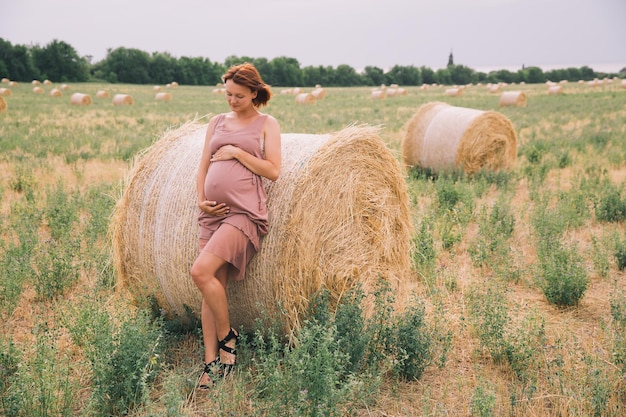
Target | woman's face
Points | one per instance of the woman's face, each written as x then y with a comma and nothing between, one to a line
239,97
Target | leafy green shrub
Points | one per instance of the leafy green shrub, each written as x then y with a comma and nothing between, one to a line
562,275
412,343
61,212
424,254
611,206
58,267
123,357
488,313
483,401
620,255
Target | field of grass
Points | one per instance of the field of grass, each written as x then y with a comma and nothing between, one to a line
520,278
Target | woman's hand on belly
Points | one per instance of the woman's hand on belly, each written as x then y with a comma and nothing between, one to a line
213,208
225,153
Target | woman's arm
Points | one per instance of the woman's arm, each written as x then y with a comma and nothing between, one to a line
268,167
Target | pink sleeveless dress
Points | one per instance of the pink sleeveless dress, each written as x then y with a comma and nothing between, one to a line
230,182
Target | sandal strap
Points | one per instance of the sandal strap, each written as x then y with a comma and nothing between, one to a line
230,336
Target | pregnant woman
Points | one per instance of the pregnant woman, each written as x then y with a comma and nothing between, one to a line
241,146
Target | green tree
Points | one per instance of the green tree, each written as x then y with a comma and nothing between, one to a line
373,76
346,76
59,61
317,75
16,62
428,75
286,72
162,68
127,66
408,75
461,75
442,76
533,75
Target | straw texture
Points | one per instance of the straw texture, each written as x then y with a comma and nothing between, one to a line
3,104
444,137
339,216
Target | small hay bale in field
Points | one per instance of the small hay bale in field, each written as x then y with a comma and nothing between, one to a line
122,99
444,137
623,83
5,81
3,104
555,89
305,98
65,87
219,90
102,94
38,90
378,94
319,93
339,217
454,92
163,96
80,99
5,92
156,88
513,98
47,82
55,92
13,83
493,88
36,82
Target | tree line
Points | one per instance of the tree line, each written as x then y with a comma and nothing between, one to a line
59,62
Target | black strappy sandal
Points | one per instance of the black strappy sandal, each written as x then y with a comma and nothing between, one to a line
226,368
213,370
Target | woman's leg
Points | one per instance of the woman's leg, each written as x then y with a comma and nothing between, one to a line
209,273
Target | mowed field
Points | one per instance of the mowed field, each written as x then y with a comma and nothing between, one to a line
504,347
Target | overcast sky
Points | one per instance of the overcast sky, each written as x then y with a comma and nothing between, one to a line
482,34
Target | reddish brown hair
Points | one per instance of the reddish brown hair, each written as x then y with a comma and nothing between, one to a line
247,75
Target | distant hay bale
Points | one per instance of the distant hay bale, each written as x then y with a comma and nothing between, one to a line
339,217
13,83
47,82
513,98
444,137
623,83
80,99
555,89
55,92
38,90
65,87
219,90
305,98
319,93
401,91
378,94
5,92
36,82
163,97
5,81
493,88
454,92
156,88
102,94
122,99
3,104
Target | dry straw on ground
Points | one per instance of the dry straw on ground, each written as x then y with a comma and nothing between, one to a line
80,99
513,98
444,137
122,99
339,218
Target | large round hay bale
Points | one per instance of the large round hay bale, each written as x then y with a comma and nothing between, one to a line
339,218
5,92
3,104
444,137
122,99
513,98
80,99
